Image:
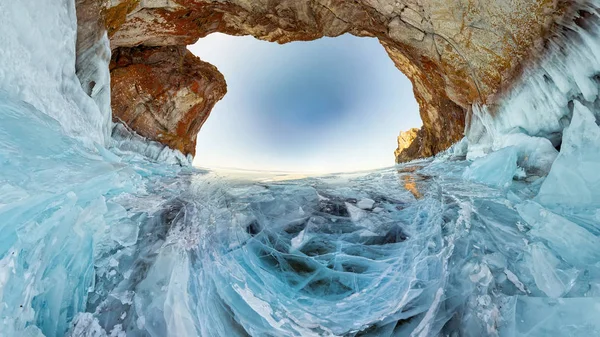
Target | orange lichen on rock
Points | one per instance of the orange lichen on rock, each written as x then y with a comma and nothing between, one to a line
115,16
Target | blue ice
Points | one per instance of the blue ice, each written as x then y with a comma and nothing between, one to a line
112,235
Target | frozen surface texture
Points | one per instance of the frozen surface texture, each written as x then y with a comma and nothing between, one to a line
496,169
574,179
118,237
38,66
107,243
65,212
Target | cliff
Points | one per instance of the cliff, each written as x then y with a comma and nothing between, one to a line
455,52
164,93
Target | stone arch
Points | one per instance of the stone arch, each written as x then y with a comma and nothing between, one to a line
455,52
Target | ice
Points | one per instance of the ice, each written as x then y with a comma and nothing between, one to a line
515,280
292,296
38,66
94,75
85,324
220,257
536,154
544,266
496,169
125,233
561,234
541,103
539,316
48,235
574,180
356,213
127,143
120,237
366,203
298,241
59,184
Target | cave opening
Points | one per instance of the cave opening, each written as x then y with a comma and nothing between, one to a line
328,105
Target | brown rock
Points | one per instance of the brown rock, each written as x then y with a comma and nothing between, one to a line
405,140
164,93
455,52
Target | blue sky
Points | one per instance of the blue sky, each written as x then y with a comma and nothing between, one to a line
330,105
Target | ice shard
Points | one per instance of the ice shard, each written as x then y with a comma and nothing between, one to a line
574,180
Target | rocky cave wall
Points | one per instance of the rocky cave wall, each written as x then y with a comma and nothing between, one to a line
455,52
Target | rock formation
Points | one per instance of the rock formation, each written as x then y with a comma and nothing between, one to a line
164,93
455,52
405,140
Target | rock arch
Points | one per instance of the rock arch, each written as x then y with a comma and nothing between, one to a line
455,52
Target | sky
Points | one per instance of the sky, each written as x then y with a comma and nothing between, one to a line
329,105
